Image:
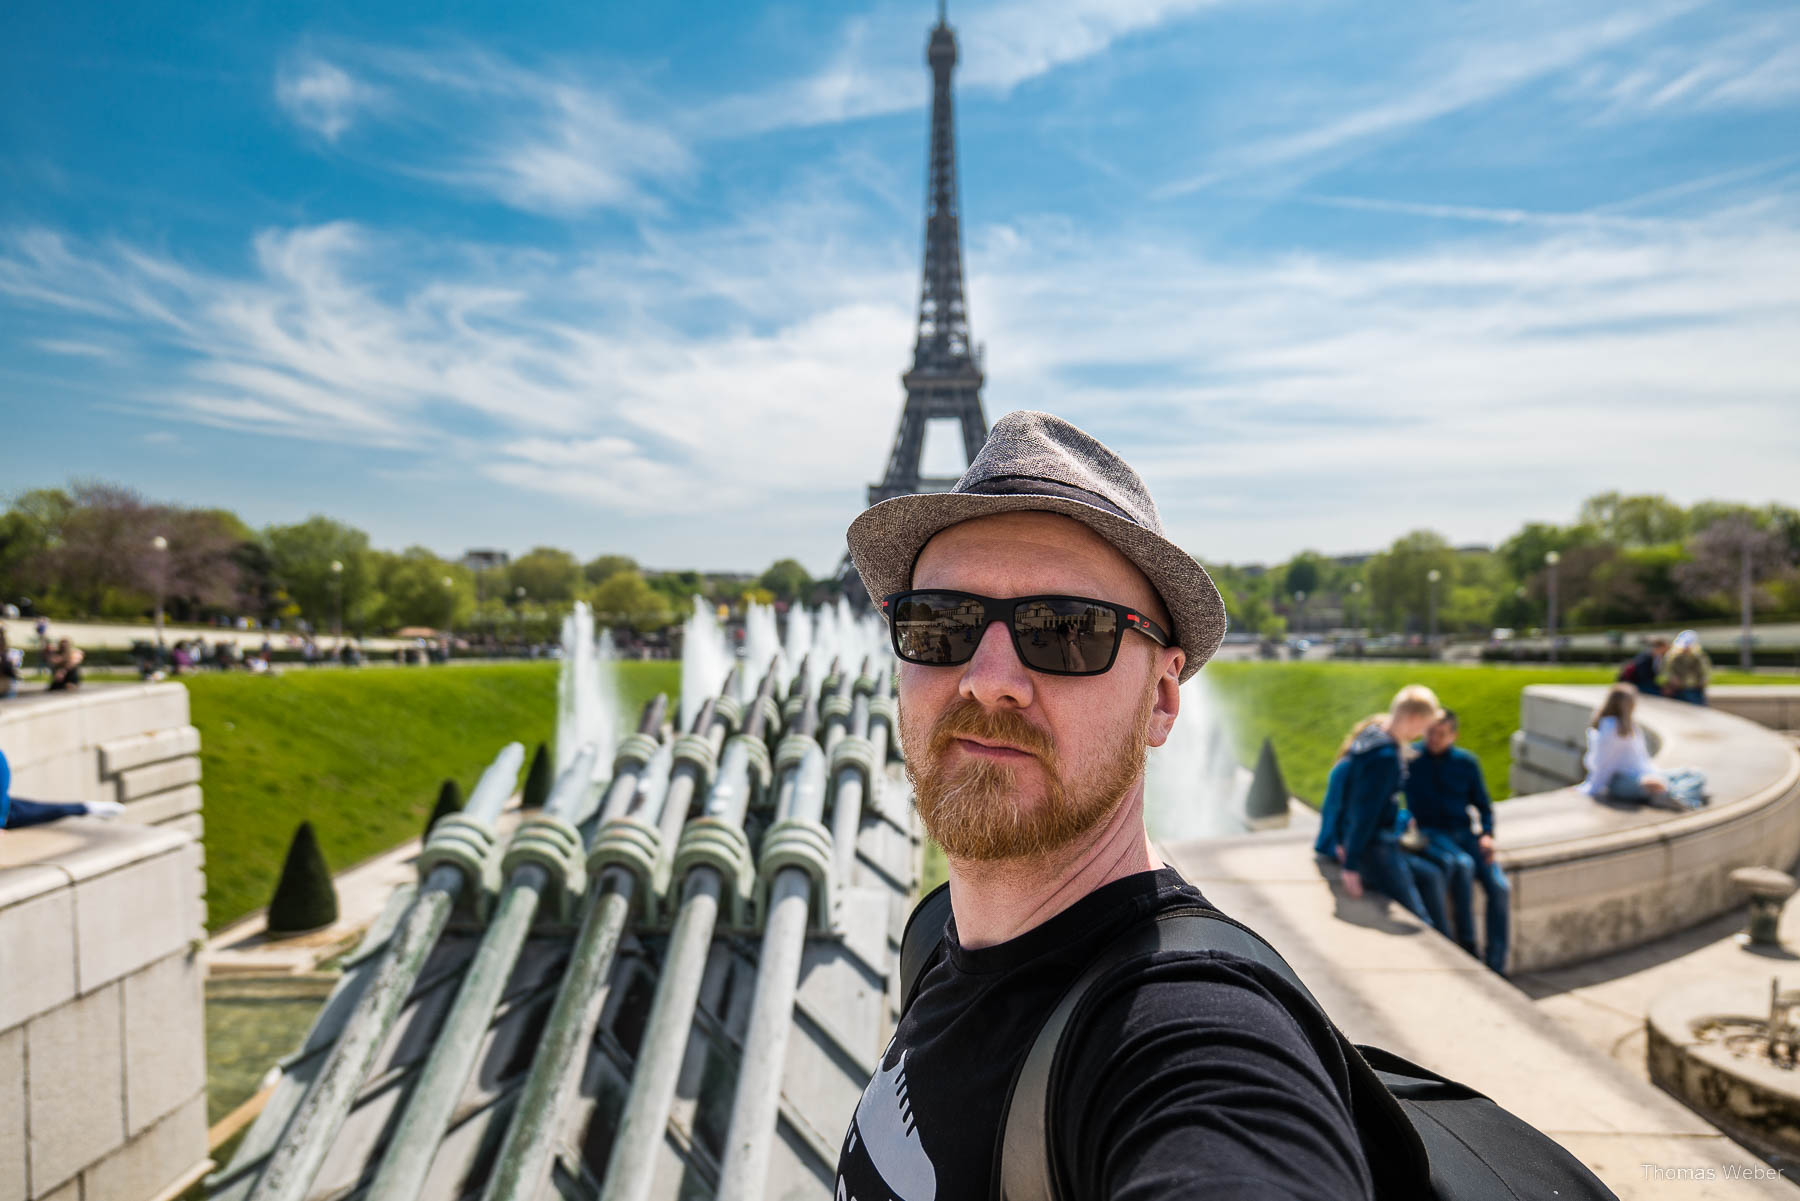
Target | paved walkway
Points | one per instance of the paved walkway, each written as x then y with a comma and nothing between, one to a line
1391,981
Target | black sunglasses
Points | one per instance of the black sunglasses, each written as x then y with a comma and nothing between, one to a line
1057,635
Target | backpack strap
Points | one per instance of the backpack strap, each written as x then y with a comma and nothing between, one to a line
924,931
1027,1169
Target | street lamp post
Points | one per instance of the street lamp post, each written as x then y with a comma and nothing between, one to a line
519,612
160,545
337,595
1432,577
1300,609
1551,559
1355,614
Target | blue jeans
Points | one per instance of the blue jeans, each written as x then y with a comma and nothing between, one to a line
21,813
1457,853
1693,696
1686,786
1415,882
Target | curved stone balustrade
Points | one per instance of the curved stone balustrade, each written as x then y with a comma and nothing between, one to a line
1591,877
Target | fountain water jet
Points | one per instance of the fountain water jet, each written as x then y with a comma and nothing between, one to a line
1193,785
705,659
587,692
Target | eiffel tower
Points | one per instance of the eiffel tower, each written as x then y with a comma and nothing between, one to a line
945,380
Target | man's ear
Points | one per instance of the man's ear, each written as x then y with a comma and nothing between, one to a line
1167,705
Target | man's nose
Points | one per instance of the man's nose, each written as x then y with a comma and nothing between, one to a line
994,676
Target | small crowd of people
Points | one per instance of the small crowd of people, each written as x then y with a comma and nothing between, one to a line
1407,812
1678,669
61,662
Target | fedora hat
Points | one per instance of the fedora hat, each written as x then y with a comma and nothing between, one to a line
1035,461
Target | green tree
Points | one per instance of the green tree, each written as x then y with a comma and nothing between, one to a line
419,589
1523,553
1399,583
1643,520
548,575
604,568
300,559
786,579
626,599
1302,574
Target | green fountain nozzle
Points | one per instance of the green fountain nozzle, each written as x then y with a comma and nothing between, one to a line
765,699
704,717
654,709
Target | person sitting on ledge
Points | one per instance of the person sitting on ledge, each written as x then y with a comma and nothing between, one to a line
17,812
1689,669
1330,842
1641,671
1442,784
1372,812
1618,760
65,667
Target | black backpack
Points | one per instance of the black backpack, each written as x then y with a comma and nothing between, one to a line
1424,1136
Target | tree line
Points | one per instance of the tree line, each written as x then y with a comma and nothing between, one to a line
100,550
1625,560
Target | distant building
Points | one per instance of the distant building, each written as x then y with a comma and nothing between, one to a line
485,560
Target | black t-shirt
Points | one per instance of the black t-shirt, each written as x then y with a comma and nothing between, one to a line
1189,1077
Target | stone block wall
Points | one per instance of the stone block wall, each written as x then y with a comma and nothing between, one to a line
127,743
102,1030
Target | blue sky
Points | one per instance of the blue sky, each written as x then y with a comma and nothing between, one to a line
641,278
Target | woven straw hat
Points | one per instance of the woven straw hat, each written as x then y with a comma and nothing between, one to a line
1036,461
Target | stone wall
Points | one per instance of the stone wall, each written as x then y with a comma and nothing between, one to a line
102,1031
127,743
1591,877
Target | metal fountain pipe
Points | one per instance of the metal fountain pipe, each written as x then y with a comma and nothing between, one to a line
529,1145
711,725
870,720
744,1173
643,1123
835,710
626,781
296,1160
440,1083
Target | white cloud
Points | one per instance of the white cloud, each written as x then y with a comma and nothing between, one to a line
1306,399
322,96
1754,64
1480,67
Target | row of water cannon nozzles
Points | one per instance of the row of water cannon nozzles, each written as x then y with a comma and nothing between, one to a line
676,800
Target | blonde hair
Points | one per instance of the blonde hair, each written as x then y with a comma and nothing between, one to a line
1620,700
1414,700
1359,727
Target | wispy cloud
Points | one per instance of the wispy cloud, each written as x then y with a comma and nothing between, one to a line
536,138
322,96
1755,64
1448,383
874,67
1480,68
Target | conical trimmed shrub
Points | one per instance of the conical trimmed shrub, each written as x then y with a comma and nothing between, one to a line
537,780
449,800
1267,803
305,898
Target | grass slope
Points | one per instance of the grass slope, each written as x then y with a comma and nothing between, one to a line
359,754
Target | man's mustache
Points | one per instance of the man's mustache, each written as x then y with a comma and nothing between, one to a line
971,719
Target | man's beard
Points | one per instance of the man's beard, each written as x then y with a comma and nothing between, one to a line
971,808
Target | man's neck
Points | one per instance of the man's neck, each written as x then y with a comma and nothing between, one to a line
997,901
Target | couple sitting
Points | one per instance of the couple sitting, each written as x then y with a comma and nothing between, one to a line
1429,849
1618,760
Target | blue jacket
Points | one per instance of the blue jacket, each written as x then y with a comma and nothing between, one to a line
1371,792
5,788
1331,811
1440,789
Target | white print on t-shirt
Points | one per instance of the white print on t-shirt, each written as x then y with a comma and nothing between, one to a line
890,1136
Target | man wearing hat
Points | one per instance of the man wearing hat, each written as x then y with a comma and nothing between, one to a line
1044,626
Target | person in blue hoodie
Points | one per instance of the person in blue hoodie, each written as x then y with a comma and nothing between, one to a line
1330,841
17,812
1373,785
1443,783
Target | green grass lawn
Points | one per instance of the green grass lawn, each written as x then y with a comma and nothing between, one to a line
360,754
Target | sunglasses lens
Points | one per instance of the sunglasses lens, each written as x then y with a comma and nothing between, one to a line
1066,635
937,628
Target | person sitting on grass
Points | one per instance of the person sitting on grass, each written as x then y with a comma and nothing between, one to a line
17,812
1618,760
1443,783
1372,790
